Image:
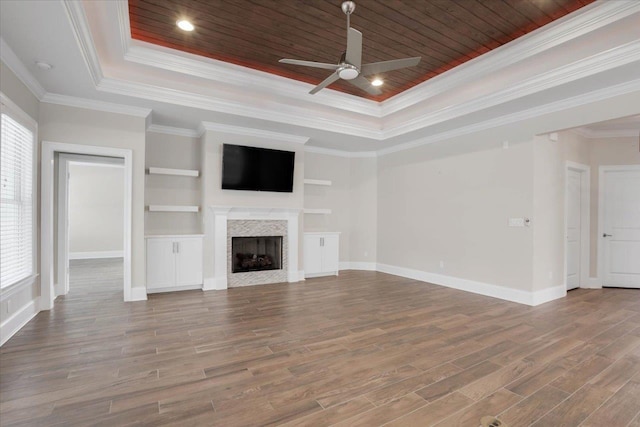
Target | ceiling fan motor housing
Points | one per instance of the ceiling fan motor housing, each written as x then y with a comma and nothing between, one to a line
348,72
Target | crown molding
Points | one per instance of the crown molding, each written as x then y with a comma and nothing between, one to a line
569,27
244,131
92,104
608,133
11,60
82,33
185,63
598,63
564,104
285,114
340,153
170,130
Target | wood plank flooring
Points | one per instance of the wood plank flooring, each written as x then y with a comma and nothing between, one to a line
362,349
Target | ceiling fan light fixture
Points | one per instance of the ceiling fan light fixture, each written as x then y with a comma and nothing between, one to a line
348,72
185,25
377,82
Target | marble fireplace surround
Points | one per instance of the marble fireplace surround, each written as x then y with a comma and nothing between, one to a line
217,220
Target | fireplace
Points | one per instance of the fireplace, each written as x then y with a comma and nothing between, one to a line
256,253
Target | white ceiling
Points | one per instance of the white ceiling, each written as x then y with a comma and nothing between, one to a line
587,56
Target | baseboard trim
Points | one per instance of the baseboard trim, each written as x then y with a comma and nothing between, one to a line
96,254
481,288
214,283
174,289
138,293
548,294
592,283
358,265
17,320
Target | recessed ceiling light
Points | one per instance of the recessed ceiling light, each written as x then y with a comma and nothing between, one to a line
43,65
185,25
377,82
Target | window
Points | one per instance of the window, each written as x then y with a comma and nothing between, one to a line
17,248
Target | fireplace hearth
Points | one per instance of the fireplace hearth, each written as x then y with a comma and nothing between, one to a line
256,253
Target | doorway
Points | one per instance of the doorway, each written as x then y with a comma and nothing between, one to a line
577,190
90,220
619,226
48,224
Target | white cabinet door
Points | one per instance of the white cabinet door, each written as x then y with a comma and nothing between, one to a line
188,262
312,255
330,251
161,265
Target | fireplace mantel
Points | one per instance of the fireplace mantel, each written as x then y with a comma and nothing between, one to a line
216,218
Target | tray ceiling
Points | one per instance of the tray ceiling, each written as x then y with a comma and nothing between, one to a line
256,33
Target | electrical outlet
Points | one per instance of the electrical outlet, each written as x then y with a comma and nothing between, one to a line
8,306
441,264
366,253
551,275
505,145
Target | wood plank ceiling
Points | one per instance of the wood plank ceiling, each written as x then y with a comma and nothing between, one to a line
257,33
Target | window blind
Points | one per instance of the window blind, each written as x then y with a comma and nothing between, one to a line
16,202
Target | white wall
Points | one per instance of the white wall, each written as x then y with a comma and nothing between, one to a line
451,203
96,204
73,125
173,152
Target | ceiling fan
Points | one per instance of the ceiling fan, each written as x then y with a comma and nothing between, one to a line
350,67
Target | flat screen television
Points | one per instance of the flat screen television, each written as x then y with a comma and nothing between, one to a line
257,169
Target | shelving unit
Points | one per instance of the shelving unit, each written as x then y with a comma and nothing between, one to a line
173,208
317,211
324,182
175,172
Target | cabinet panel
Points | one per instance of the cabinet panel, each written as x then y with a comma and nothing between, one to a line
330,250
312,255
189,262
161,265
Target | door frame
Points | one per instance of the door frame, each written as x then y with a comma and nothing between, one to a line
602,171
49,149
61,283
585,220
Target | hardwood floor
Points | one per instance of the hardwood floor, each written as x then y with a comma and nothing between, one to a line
363,349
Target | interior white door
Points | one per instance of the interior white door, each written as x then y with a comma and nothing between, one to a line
621,221
161,263
188,262
574,226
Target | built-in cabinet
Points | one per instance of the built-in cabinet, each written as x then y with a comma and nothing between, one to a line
321,254
174,262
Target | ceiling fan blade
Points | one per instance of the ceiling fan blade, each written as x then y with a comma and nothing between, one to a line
354,47
381,67
309,64
326,82
365,85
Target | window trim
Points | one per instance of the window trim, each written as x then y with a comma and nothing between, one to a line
10,108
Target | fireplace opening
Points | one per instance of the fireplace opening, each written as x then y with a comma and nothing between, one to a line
256,253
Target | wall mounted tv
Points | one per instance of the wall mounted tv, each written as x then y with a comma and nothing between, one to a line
257,169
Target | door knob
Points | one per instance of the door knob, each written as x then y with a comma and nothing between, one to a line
607,235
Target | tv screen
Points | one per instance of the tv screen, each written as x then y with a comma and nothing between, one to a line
257,169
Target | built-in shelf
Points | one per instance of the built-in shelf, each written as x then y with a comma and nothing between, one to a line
317,211
178,172
317,181
173,208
